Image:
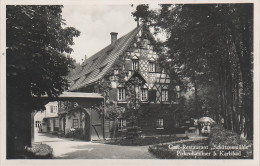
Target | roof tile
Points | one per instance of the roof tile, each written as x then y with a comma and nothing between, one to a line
104,58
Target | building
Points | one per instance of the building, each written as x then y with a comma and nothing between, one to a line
127,74
47,120
72,113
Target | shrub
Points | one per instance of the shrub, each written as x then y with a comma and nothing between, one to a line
39,151
78,133
220,137
219,140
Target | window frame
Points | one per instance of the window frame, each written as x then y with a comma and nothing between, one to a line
152,66
159,123
135,64
73,123
144,92
120,95
165,95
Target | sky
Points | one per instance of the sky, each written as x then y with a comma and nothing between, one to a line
95,22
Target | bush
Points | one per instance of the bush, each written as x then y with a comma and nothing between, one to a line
222,144
78,133
39,151
220,137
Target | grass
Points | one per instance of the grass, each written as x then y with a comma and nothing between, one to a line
222,144
143,141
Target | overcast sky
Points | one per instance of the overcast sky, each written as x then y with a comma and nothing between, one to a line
95,22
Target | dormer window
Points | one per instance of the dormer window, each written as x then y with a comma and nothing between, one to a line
87,75
74,81
94,60
102,68
135,64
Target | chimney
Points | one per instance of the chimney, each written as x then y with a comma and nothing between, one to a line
113,37
85,57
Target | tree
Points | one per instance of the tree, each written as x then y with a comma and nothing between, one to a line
211,46
36,65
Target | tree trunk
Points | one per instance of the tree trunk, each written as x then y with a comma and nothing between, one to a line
244,56
18,129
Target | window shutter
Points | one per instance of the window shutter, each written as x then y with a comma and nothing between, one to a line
157,68
113,94
152,95
128,65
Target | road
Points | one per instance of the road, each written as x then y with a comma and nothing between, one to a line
68,148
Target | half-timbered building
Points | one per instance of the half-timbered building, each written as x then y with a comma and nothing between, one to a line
130,62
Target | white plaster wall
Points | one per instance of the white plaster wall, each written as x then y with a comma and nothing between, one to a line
48,109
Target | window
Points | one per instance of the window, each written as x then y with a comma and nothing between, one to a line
121,124
37,123
151,67
135,64
102,68
53,108
164,95
75,124
144,93
88,74
121,94
159,123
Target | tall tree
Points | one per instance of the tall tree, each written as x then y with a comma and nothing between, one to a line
211,46
36,65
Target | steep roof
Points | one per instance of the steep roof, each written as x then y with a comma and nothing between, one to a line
95,67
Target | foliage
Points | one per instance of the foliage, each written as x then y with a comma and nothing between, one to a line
218,137
36,41
39,151
222,137
209,47
78,133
